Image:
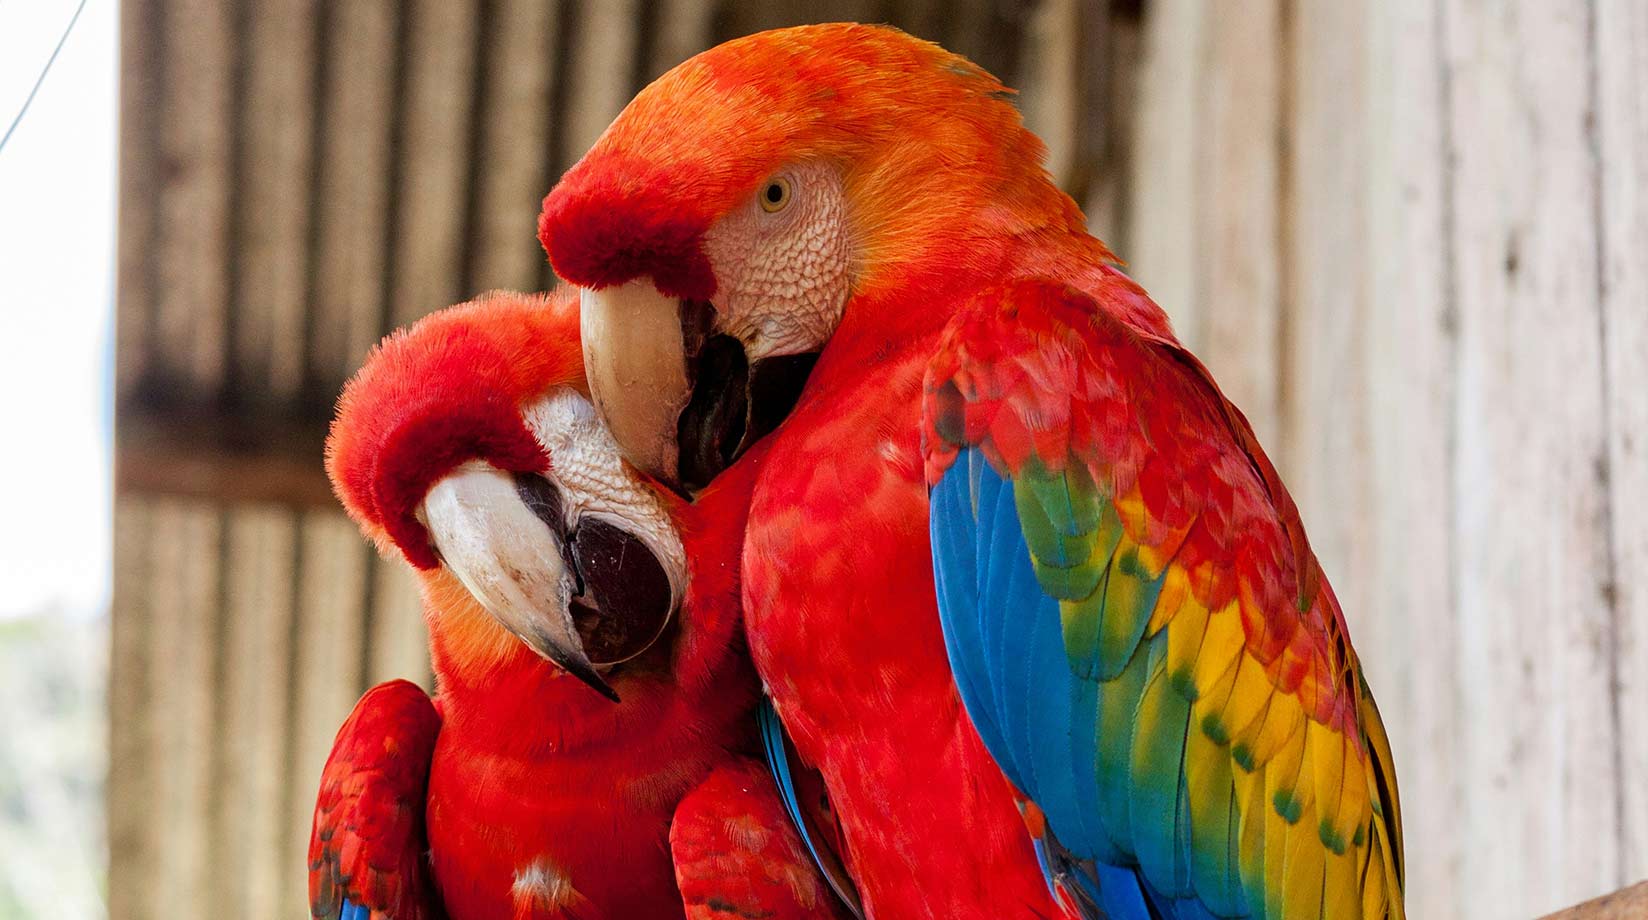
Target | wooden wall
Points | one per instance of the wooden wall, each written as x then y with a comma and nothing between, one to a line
1410,237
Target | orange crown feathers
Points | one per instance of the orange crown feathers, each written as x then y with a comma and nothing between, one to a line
925,137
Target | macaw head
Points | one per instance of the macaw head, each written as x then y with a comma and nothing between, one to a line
469,444
772,196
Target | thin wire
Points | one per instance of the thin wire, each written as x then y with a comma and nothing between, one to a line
27,101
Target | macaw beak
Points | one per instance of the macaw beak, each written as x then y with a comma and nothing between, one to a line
586,597
682,399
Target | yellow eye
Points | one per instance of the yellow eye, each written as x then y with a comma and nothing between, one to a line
775,195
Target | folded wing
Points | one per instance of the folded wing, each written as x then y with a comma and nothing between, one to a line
367,849
1139,629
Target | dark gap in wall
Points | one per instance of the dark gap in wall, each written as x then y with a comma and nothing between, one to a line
560,96
216,778
1095,108
646,42
236,374
396,170
152,36
315,395
480,86
140,144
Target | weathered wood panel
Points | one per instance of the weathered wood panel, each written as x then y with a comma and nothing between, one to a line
605,48
397,644
249,789
1165,184
1459,358
516,99
1621,123
430,207
355,184
191,242
1531,528
1322,443
184,590
141,101
1205,212
327,670
1401,610
134,831
273,152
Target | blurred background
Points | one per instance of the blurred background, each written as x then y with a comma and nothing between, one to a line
1409,236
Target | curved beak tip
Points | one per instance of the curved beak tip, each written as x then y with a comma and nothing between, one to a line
580,668
502,552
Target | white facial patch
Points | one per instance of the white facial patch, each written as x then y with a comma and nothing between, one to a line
783,276
595,482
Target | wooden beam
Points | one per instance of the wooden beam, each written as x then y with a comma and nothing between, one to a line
219,457
1625,904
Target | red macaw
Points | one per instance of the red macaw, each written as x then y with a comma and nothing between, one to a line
1013,563
518,791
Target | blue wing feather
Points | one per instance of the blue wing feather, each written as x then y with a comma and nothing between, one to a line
1001,629
775,743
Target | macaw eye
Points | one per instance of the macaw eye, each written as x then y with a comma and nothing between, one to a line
775,196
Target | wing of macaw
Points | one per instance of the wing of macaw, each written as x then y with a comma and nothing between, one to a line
367,850
737,855
807,805
1139,629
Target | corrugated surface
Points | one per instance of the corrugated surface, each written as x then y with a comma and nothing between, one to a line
1406,236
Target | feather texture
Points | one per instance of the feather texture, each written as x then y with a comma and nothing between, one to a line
366,851
1107,531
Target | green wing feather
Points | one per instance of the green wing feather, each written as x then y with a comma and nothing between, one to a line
1240,763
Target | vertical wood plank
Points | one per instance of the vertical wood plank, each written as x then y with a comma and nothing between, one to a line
1110,43
1047,85
988,32
141,54
275,146
134,828
684,28
434,170
1403,617
515,126
1531,524
249,825
183,597
191,241
1621,122
1240,236
326,674
399,640
604,47
1205,231
1324,427
1166,185
354,186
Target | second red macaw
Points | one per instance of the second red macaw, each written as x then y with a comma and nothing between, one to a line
525,788
1009,545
